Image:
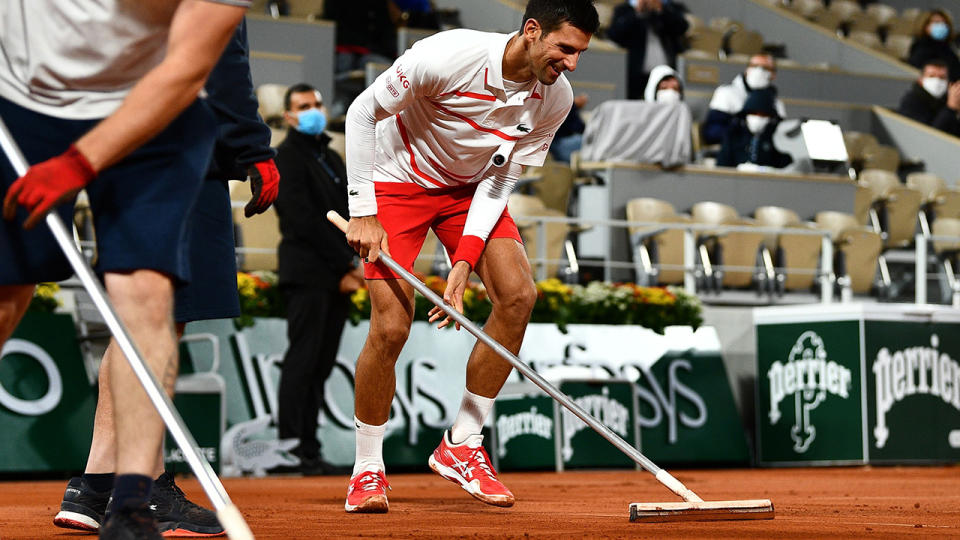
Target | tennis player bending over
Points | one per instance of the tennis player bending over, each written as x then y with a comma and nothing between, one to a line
438,141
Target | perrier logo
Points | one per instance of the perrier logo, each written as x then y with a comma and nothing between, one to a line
809,377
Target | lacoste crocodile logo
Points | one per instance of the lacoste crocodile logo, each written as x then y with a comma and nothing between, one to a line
354,193
523,128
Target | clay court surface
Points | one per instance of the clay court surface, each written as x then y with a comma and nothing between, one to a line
858,502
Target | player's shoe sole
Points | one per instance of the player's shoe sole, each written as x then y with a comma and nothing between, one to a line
375,504
473,487
75,520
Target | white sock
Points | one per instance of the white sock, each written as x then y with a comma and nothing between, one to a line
473,412
369,455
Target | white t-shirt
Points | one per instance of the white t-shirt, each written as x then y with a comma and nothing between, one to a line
452,112
78,59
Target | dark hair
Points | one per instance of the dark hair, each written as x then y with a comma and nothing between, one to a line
552,13
297,88
935,62
922,29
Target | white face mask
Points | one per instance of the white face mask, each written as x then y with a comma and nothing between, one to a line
756,123
758,77
936,86
668,95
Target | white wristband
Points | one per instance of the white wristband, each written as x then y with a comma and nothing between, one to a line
362,199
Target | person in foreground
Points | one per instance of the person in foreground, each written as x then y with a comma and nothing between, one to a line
102,95
438,141
243,143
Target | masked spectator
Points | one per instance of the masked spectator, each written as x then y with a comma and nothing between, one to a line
728,99
750,136
933,43
663,86
652,32
933,100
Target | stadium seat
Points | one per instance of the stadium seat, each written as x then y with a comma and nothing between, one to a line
898,46
528,206
901,26
938,200
881,13
895,207
846,10
707,40
863,23
947,252
797,254
882,157
808,9
857,249
556,180
727,249
260,233
306,9
830,20
654,248
867,39
745,42
270,99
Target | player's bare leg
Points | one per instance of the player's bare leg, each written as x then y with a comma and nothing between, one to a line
461,458
391,313
14,300
507,276
144,301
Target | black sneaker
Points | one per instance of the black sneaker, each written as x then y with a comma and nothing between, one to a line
178,516
82,508
131,524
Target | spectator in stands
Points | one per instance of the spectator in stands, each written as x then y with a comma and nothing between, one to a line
933,43
366,32
932,100
728,99
316,270
653,32
749,140
569,136
663,86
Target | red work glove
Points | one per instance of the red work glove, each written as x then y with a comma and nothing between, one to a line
264,185
48,184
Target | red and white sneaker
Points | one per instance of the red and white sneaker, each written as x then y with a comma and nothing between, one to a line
468,465
367,493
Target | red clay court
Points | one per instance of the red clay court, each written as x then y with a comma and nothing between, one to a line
855,502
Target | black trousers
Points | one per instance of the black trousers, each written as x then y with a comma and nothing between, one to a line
315,320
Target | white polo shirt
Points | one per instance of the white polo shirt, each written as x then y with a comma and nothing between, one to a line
78,59
452,113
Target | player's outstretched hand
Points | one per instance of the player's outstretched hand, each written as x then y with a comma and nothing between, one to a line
48,184
264,186
367,237
453,294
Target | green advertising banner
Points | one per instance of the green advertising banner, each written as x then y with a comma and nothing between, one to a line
913,391
525,430
46,399
610,402
687,413
809,402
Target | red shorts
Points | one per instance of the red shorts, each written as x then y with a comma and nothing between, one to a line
408,211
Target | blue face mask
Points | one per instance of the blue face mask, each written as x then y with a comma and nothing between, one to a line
311,121
939,31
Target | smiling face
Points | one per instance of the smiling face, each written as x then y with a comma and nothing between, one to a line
551,54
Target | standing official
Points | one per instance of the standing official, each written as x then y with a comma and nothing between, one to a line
317,271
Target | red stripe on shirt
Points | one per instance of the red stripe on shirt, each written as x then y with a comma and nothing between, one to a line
438,167
413,159
475,125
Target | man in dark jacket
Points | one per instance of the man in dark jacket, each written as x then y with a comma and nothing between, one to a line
933,42
932,100
750,137
316,269
652,32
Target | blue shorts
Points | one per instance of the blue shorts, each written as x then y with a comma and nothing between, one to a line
212,290
140,205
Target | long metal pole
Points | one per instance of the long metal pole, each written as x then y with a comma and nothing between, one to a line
227,513
663,476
